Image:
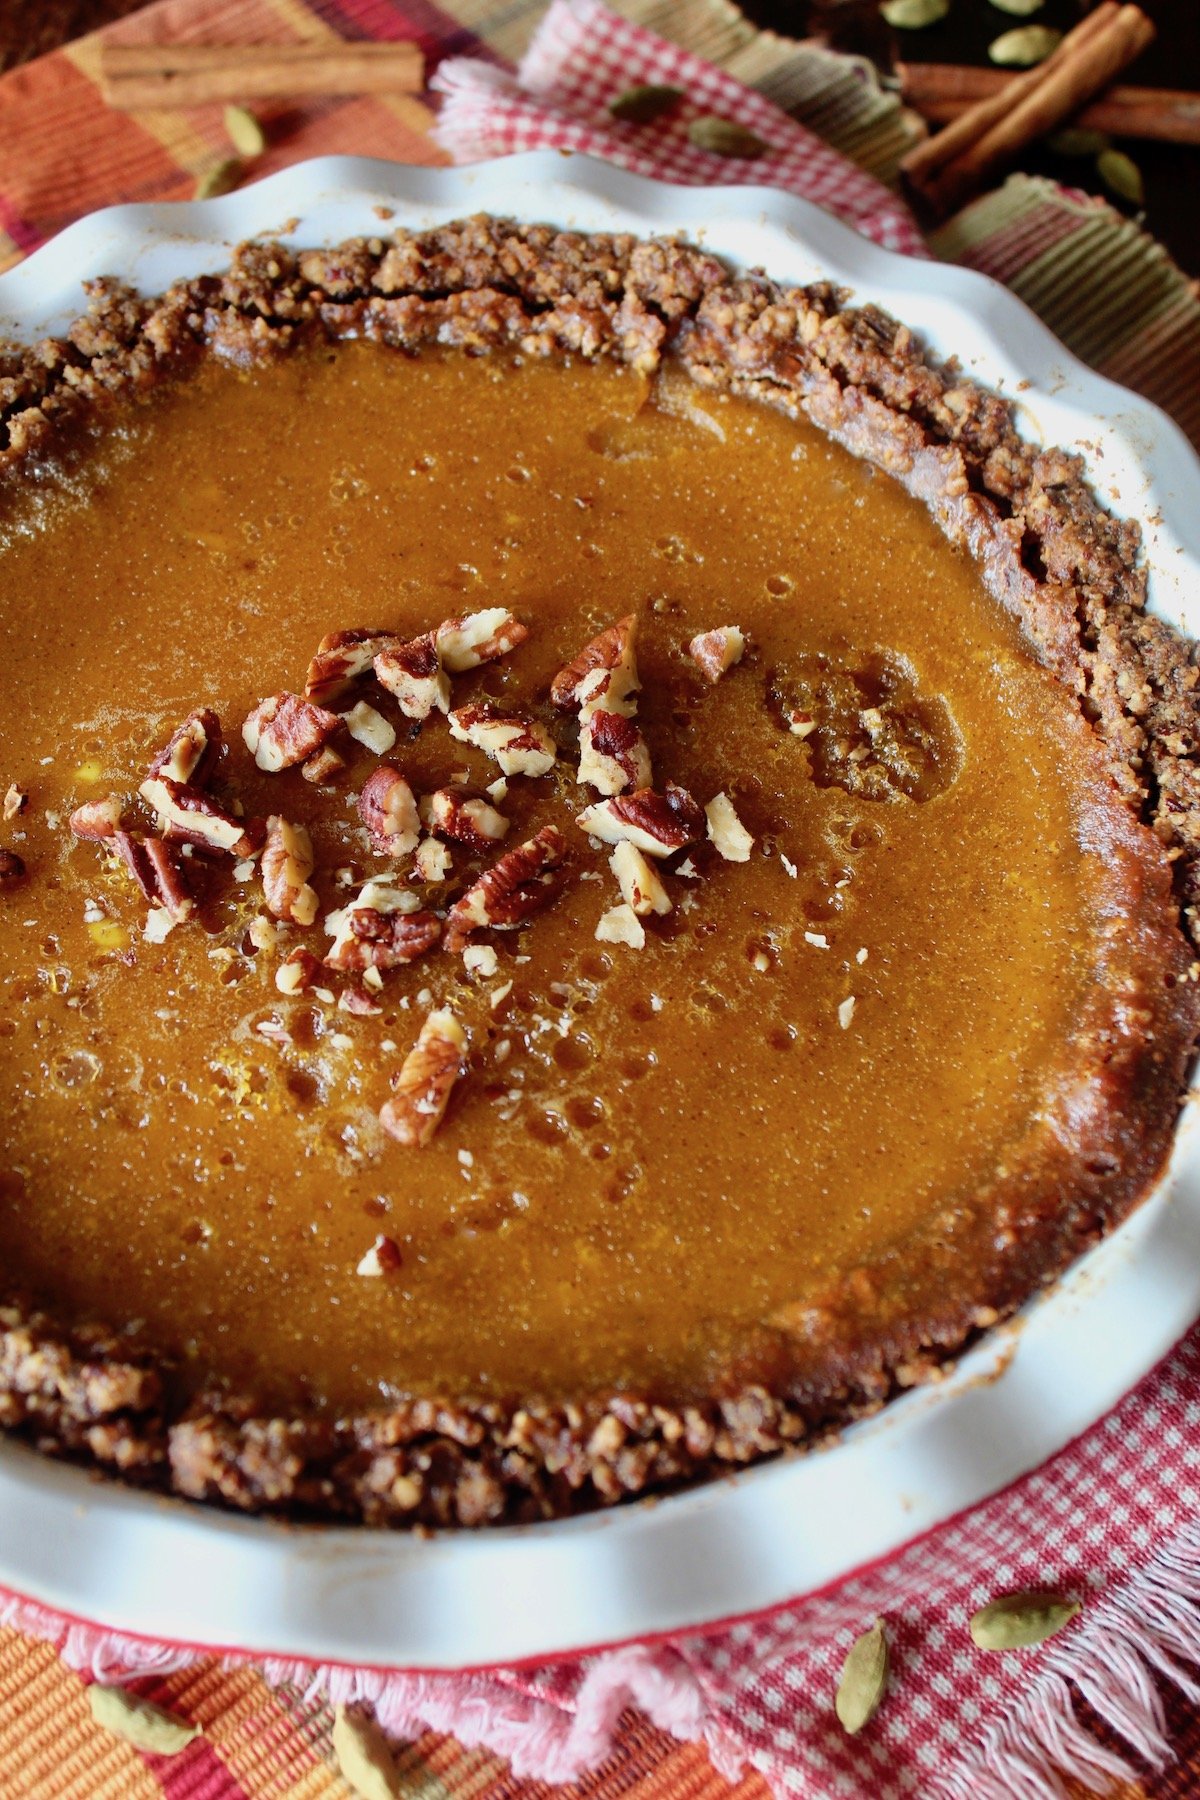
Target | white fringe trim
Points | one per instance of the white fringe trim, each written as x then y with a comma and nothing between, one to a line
1147,1630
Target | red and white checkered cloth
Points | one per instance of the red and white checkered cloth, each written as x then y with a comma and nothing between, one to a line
1114,1519
584,56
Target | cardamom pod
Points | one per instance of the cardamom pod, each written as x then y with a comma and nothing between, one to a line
914,15
864,1679
1015,1621
1076,140
221,178
245,133
364,1756
725,138
638,105
1020,9
1121,176
1027,45
140,1722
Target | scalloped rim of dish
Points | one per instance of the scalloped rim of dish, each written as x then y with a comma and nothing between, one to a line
162,1569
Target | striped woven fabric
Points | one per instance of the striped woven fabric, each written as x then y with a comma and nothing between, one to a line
1103,286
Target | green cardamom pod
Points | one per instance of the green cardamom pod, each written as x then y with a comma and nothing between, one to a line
245,133
1027,45
725,138
1121,176
638,105
140,1722
220,178
364,1756
1015,1621
914,15
864,1679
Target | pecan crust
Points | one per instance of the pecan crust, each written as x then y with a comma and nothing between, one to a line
1068,570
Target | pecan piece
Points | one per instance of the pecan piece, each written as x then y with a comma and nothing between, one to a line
192,752
432,862
388,810
383,1258
729,836
718,650
12,870
512,890
425,1081
383,940
367,726
450,814
287,863
285,729
299,972
158,870
481,637
514,740
613,754
621,925
190,815
322,767
15,801
342,658
641,887
96,819
359,1002
659,824
413,673
607,666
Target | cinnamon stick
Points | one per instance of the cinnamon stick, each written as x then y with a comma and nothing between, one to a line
925,159
150,75
942,92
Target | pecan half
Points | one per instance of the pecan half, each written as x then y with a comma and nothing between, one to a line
384,940
514,740
426,1079
718,650
287,863
190,815
342,658
608,666
15,801
512,890
285,729
659,824
450,814
388,810
413,673
640,885
191,755
158,870
96,819
12,870
481,637
613,754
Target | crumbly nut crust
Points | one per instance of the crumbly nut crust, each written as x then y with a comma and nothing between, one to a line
1048,551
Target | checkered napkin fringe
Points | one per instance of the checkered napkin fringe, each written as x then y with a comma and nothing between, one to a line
584,55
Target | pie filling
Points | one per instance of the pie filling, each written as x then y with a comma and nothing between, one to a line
495,1080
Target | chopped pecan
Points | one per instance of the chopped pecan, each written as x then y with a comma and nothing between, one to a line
516,741
613,754
158,870
641,887
96,819
425,1081
381,928
12,870
512,890
621,925
322,767
342,658
383,1258
388,810
432,861
285,729
367,726
359,1002
718,650
801,724
287,863
15,801
607,666
413,673
191,755
659,824
450,814
729,836
190,815
298,972
481,637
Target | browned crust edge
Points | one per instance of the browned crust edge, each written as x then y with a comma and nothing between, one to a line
1049,551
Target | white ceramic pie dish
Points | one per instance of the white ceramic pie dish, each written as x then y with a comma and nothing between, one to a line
163,1569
